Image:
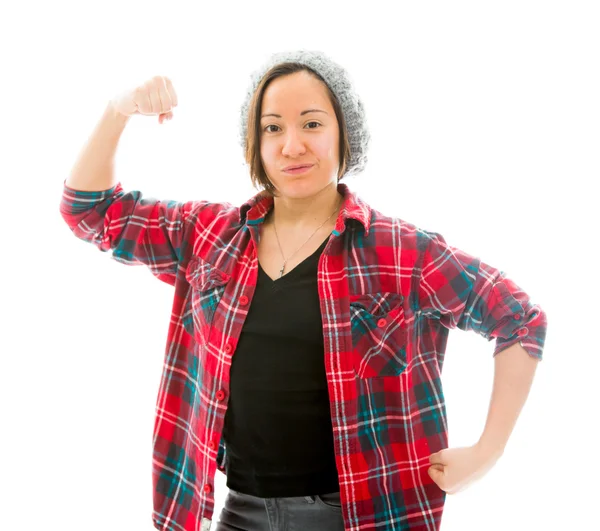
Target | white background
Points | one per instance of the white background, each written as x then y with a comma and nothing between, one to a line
485,128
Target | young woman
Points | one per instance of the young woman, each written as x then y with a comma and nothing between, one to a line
304,357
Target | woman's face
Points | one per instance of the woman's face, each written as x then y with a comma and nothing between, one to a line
294,138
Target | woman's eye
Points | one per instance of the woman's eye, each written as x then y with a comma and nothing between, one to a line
272,125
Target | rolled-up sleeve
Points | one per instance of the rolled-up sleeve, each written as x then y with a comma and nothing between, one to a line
463,292
138,230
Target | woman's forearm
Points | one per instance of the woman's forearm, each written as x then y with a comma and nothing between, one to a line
514,370
94,169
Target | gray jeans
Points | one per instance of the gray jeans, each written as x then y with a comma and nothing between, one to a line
242,512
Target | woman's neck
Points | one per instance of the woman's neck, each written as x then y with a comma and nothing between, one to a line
304,214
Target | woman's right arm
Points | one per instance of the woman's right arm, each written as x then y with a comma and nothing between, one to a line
94,169
137,229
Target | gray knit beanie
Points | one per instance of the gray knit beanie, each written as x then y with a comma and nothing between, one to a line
340,84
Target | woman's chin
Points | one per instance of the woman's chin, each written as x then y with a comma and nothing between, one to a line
298,190
297,187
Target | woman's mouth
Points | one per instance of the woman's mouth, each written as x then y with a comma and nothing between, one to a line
302,169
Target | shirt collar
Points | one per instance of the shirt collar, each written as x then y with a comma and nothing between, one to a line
257,207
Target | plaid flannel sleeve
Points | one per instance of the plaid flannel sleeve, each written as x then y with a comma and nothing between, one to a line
462,291
137,230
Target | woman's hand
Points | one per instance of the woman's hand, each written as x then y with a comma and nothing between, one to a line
454,469
154,97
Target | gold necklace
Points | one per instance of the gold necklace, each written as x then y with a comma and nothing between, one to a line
286,259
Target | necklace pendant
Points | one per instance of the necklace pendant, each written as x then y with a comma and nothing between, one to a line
281,271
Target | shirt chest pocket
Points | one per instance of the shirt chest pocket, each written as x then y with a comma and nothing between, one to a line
207,286
378,334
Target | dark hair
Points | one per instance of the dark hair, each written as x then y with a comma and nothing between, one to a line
253,131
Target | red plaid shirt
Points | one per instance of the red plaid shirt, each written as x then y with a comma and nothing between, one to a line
390,292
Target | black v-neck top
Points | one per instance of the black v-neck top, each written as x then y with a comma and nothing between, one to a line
278,432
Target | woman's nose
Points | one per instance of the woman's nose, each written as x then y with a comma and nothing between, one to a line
293,144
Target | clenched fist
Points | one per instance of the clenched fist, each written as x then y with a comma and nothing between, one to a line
155,96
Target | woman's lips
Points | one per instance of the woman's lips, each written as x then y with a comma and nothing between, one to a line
299,170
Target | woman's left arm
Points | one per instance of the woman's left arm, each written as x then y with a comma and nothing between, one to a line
459,290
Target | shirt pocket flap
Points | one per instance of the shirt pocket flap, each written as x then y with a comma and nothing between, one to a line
380,304
203,276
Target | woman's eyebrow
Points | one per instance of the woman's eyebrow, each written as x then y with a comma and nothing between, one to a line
301,114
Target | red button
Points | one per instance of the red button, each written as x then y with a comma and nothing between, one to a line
207,488
212,445
228,348
517,315
523,331
220,394
243,300
381,323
